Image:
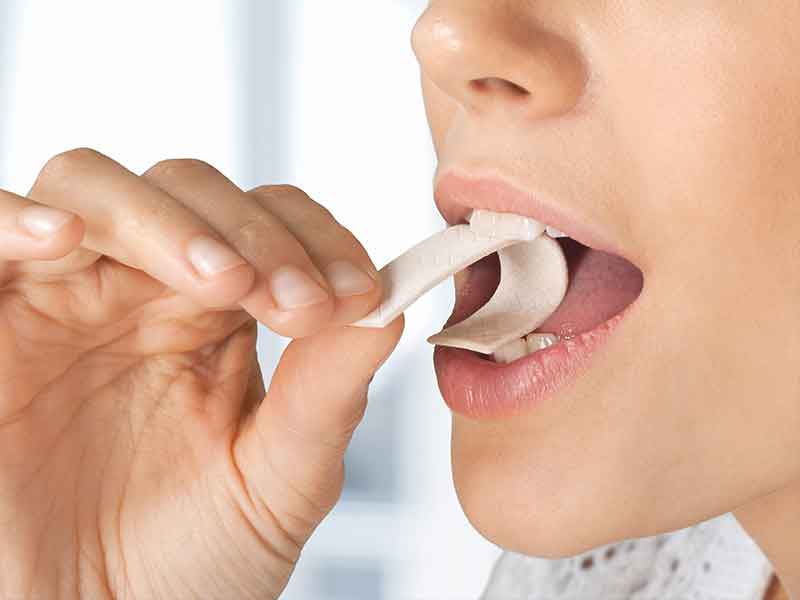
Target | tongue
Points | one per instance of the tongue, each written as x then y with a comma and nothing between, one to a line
600,286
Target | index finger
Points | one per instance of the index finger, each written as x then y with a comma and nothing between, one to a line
142,226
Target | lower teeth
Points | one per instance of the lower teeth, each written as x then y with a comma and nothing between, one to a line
524,346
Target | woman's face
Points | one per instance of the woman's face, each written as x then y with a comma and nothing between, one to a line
674,127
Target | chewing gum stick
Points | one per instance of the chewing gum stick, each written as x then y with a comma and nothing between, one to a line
533,282
533,279
427,264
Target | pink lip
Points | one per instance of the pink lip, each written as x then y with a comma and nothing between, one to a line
478,388
457,193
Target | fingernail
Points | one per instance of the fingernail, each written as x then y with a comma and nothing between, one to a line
43,221
292,288
211,257
348,280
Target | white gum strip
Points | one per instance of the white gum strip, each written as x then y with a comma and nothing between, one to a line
533,279
533,282
427,264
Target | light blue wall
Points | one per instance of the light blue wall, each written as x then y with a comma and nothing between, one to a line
8,31
324,95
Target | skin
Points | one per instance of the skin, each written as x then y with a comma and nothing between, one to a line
142,457
140,454
672,126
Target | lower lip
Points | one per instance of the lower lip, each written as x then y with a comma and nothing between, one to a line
481,389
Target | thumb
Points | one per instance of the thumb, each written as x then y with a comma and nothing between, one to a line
291,451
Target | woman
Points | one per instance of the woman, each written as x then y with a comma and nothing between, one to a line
142,458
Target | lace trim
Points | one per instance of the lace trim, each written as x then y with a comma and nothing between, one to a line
711,560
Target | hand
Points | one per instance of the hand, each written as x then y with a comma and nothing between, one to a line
139,454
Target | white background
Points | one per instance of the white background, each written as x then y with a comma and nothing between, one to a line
321,94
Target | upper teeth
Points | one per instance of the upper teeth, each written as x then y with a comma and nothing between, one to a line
522,347
554,233
500,225
504,225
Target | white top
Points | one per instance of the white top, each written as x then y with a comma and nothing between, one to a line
712,560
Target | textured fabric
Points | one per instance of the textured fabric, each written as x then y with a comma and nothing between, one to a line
712,560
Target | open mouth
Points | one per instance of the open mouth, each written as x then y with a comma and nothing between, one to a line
601,285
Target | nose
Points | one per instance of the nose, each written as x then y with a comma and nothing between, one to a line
497,56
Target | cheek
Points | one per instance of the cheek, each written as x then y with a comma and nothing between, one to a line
711,137
671,406
719,179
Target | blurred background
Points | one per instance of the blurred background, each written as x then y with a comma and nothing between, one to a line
324,95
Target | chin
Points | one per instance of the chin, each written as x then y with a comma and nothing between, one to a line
521,511
554,511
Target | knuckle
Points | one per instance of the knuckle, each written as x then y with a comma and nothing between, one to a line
287,189
323,214
281,190
274,195
312,210
326,227
171,167
318,223
69,162
253,232
337,232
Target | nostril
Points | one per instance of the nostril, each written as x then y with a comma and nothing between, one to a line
489,84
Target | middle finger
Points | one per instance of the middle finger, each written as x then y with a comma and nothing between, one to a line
279,256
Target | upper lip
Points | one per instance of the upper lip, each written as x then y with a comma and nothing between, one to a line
457,193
